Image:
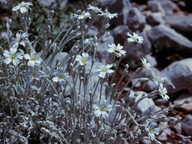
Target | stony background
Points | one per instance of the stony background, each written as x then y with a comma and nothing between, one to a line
166,26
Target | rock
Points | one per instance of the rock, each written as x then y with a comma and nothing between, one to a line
52,3
145,106
178,128
155,18
120,34
136,20
145,140
167,132
4,1
185,97
151,60
180,74
150,85
166,7
180,22
101,53
164,37
105,3
169,7
155,6
102,46
125,11
187,125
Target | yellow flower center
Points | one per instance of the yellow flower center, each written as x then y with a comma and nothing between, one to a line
103,70
150,130
102,108
60,76
12,57
33,74
84,61
33,58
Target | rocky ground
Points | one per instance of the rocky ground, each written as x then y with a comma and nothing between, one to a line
167,30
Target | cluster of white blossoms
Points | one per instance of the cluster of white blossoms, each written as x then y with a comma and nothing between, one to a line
83,15
163,91
86,14
15,54
15,57
108,14
22,7
95,9
117,49
134,38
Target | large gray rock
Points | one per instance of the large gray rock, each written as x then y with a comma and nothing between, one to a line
154,18
180,22
101,52
165,7
181,99
180,74
52,3
136,20
4,1
155,6
145,106
169,7
165,37
120,34
187,125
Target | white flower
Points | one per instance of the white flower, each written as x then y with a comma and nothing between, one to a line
102,108
117,49
95,9
21,39
33,58
22,7
83,59
108,14
104,69
152,132
12,56
163,92
134,38
145,64
83,15
59,75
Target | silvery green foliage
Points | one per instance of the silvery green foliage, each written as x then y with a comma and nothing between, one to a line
70,99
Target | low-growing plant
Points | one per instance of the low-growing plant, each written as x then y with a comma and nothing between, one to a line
51,96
